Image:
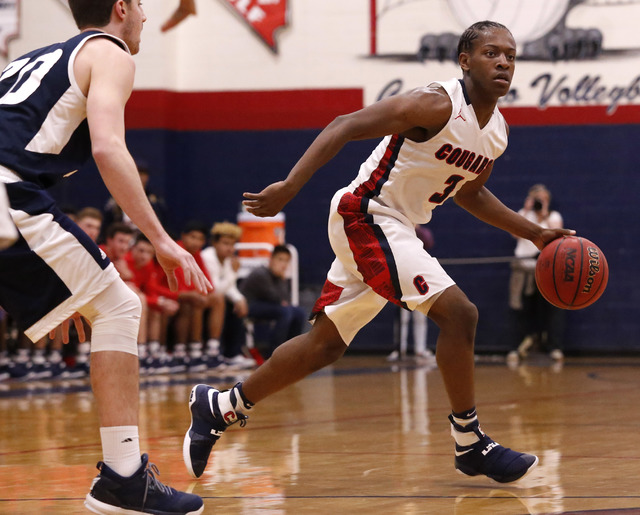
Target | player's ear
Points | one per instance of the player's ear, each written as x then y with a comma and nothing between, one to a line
120,8
463,61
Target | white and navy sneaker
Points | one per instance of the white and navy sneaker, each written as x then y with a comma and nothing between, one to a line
240,362
489,458
208,421
139,493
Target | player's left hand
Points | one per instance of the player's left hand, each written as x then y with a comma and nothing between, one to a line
64,327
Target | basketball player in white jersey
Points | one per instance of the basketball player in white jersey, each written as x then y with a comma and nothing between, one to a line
59,106
440,142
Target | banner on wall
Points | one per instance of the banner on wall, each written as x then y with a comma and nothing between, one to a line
264,17
9,23
571,53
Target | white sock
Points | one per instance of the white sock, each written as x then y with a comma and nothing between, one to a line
153,348
142,350
213,347
235,401
55,356
121,449
84,349
461,438
180,350
195,350
38,356
23,356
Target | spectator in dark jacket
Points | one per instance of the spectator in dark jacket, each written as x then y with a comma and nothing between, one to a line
267,292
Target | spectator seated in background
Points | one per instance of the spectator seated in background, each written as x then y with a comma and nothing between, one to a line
268,292
222,266
89,219
141,261
119,237
113,212
189,319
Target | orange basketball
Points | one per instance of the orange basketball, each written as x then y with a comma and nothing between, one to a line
572,272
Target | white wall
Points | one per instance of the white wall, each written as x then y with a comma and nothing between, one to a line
326,45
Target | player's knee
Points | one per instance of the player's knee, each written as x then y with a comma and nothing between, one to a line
326,340
116,323
454,312
466,313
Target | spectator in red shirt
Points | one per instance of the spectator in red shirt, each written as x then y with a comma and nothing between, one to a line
190,318
141,262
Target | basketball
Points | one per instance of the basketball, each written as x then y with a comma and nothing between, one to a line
571,272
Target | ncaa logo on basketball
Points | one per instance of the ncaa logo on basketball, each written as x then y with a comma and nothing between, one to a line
569,265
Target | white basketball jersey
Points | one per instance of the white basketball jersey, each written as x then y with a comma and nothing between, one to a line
413,178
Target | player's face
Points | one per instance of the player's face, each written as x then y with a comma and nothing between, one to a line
225,247
492,61
119,244
279,264
142,253
193,241
133,25
91,226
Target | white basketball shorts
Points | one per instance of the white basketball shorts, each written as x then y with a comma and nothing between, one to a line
379,259
53,268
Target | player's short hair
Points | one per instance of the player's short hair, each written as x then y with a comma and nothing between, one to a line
280,249
92,13
89,212
221,229
118,227
465,44
141,238
195,225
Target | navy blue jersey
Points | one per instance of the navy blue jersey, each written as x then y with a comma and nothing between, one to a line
44,133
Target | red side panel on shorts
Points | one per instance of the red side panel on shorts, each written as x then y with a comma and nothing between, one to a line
367,243
330,293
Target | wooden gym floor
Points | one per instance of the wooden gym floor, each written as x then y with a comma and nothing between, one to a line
363,436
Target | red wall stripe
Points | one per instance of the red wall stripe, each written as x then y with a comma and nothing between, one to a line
239,110
312,109
571,115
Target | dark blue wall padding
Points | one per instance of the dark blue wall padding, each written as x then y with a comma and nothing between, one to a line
592,171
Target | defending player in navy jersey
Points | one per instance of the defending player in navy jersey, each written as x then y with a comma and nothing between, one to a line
440,142
59,106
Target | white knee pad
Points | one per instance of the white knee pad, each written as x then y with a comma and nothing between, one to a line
115,319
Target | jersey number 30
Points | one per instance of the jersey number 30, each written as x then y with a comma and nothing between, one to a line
29,78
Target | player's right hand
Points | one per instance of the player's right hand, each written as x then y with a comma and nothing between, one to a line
171,256
270,201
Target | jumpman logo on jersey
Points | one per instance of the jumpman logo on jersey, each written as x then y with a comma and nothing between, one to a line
460,116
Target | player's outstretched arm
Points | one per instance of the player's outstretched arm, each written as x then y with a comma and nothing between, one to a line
424,108
110,72
475,198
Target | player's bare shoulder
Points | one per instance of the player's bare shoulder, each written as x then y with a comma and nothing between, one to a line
101,53
432,110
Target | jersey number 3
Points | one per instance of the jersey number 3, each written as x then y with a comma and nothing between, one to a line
452,182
